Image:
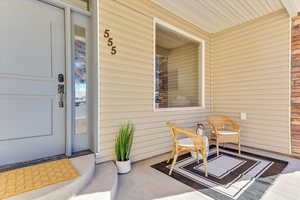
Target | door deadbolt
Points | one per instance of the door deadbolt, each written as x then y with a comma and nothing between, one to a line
60,78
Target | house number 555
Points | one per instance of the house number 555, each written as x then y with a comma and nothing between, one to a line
110,42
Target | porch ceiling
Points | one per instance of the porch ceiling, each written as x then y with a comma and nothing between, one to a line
216,15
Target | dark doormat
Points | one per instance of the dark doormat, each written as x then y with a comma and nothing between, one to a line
230,176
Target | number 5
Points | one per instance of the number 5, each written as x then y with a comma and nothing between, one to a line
110,42
113,50
106,33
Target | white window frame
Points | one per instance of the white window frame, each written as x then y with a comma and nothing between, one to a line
201,66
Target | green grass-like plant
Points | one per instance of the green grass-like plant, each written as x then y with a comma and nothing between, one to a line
124,142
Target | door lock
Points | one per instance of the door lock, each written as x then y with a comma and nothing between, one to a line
61,92
60,78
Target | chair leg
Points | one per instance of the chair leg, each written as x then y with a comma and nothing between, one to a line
239,146
173,163
197,157
205,164
172,155
217,141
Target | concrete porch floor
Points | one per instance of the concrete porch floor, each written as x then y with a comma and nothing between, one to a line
146,183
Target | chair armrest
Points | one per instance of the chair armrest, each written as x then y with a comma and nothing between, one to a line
191,133
235,126
199,141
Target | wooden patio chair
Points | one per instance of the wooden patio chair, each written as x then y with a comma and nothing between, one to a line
191,143
220,132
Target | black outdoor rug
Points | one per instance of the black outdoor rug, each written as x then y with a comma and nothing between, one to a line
230,176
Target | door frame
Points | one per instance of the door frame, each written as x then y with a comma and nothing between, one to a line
93,116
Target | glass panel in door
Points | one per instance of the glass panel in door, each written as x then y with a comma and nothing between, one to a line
80,79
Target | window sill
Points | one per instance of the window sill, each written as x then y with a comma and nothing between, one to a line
178,109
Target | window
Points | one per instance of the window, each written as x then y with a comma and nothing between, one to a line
80,79
81,82
179,68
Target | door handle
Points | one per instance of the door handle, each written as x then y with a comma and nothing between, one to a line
61,92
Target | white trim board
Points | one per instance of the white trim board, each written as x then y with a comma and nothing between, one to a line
61,4
95,44
290,86
68,82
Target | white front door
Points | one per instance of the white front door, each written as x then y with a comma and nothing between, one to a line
32,124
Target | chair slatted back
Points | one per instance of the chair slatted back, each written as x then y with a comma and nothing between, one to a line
219,123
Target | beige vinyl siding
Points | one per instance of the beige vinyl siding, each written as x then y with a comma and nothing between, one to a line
183,64
250,64
127,78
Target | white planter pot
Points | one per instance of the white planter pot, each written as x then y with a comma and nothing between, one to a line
123,166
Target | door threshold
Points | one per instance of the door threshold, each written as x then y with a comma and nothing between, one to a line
80,153
13,166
